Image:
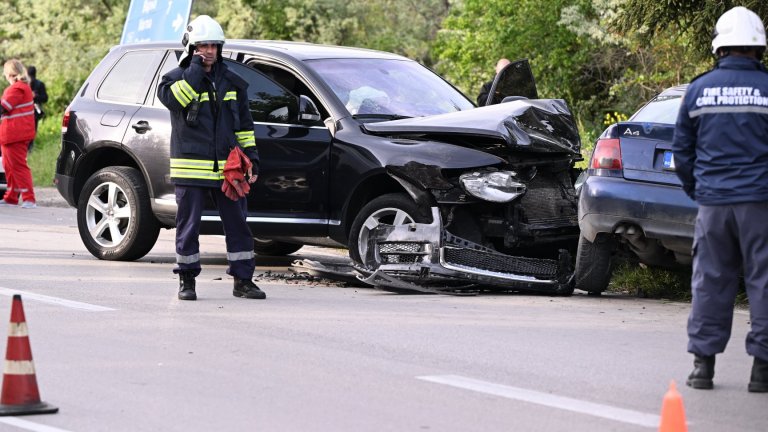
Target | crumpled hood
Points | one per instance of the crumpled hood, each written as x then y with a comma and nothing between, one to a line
536,125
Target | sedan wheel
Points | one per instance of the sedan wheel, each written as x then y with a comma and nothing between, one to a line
594,264
114,215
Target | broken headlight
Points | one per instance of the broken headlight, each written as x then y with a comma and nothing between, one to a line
495,186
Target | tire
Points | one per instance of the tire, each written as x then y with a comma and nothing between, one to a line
114,215
392,209
274,248
594,264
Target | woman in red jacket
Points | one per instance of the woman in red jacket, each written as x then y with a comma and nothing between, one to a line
17,128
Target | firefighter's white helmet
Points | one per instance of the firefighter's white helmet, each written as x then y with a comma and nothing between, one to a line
738,27
202,29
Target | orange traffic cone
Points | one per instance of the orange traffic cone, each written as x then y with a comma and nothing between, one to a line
672,411
20,395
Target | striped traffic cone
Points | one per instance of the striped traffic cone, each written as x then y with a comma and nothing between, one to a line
20,395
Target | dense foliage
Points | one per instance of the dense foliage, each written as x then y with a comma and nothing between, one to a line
604,57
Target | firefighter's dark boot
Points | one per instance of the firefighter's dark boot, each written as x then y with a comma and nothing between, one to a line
247,289
703,372
758,382
187,286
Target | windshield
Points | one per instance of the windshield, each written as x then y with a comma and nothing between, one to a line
387,87
662,109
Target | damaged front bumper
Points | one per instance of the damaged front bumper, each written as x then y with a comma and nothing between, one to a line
426,258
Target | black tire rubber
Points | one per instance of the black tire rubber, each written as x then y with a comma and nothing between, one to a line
274,247
594,264
395,201
139,228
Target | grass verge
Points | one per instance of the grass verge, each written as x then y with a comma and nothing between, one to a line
42,158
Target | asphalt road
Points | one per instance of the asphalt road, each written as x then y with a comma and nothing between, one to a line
115,350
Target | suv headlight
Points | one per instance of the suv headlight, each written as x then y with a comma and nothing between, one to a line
495,186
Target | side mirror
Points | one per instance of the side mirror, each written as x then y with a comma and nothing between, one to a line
308,111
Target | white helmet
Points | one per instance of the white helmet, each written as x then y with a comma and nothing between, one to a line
202,29
738,27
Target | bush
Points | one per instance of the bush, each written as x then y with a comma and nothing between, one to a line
42,158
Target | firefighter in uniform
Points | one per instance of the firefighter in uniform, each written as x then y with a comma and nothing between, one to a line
209,116
721,156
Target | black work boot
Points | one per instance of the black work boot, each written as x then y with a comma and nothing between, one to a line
703,372
758,382
247,289
187,286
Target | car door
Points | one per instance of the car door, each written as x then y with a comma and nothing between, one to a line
148,138
290,198
516,79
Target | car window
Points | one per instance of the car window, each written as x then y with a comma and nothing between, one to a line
662,109
269,101
127,83
170,63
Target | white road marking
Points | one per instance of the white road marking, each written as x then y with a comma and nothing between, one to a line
54,300
547,399
28,425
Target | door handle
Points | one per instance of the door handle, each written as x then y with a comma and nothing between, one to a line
141,126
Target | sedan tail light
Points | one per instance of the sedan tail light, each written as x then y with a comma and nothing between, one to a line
65,122
607,154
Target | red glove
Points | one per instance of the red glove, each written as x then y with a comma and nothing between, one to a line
235,185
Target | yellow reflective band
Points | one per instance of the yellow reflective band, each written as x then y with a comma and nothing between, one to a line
196,174
204,97
192,163
182,98
231,95
187,89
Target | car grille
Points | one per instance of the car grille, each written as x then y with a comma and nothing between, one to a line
488,261
547,202
401,252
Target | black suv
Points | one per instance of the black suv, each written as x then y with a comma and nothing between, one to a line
359,148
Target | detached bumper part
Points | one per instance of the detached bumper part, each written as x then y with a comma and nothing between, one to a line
424,258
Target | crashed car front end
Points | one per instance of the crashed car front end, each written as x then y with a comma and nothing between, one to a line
511,226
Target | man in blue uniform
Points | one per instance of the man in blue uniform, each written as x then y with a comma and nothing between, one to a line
209,117
721,153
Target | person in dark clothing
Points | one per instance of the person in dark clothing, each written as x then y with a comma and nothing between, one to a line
209,117
40,97
720,149
482,98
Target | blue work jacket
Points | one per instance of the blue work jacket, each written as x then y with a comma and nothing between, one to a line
721,136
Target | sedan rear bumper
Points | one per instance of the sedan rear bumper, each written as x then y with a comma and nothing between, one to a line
663,212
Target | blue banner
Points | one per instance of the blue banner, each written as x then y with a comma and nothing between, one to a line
156,20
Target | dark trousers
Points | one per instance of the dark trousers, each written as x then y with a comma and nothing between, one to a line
728,239
190,201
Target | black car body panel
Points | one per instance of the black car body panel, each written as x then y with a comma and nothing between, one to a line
515,228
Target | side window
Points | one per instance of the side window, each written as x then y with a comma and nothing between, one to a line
170,63
269,101
128,81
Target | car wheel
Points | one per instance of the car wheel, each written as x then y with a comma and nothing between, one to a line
114,215
390,209
274,248
594,264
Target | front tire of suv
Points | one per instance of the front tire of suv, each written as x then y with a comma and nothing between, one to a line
114,215
274,247
594,264
390,209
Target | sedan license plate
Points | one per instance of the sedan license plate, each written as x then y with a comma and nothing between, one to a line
669,160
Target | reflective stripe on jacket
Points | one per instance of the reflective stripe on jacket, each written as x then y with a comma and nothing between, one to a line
17,123
199,150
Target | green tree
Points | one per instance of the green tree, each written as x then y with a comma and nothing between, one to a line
63,39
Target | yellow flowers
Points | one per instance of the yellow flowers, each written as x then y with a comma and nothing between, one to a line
614,117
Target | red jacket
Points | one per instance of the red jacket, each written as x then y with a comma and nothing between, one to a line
17,123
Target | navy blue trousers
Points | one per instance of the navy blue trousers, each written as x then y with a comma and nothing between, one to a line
727,239
190,201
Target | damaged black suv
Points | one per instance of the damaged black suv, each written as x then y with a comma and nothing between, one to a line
359,148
